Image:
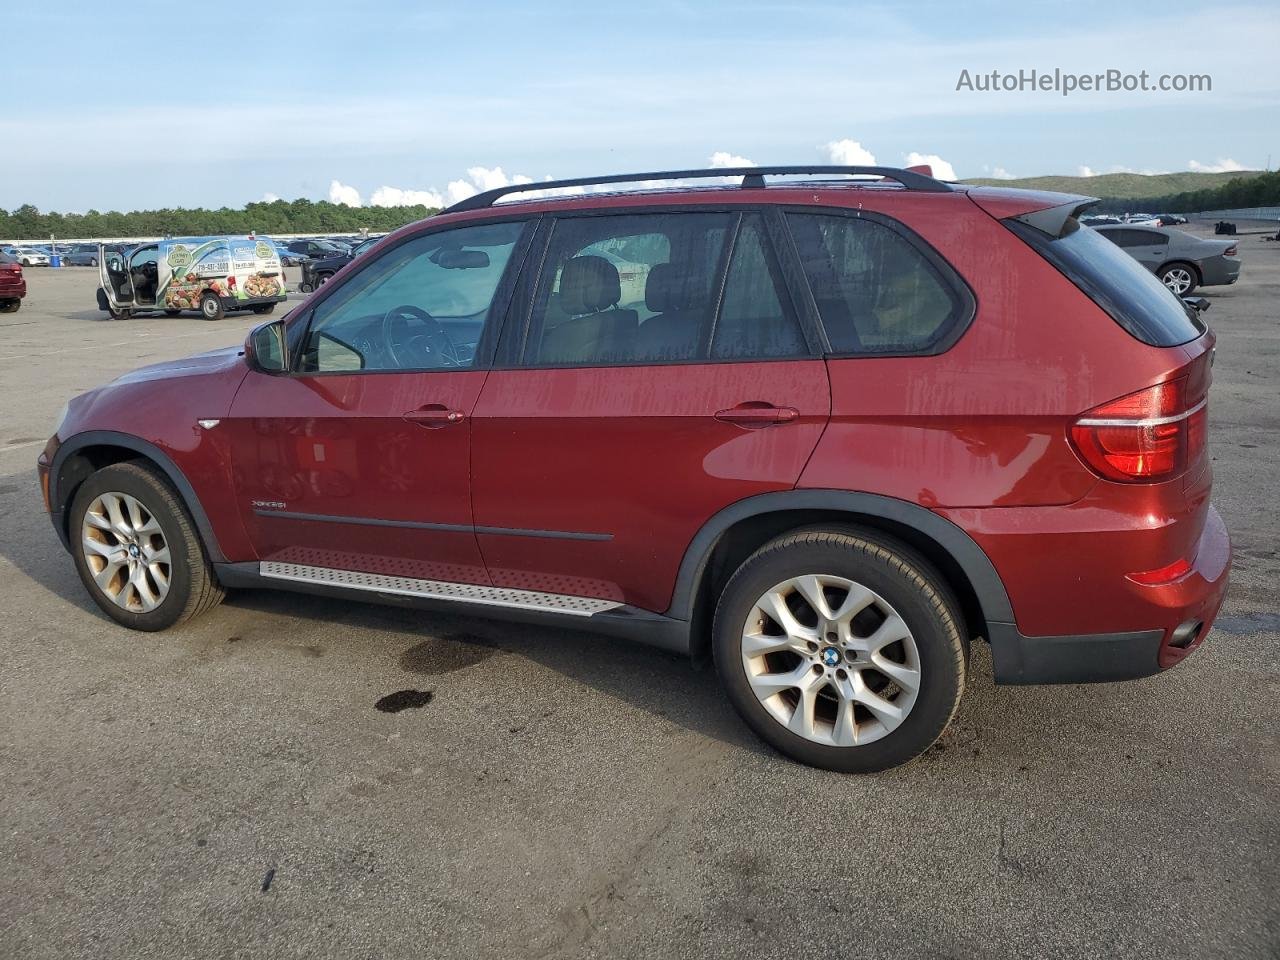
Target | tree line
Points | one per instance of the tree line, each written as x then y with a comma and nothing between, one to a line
1259,190
278,216
321,216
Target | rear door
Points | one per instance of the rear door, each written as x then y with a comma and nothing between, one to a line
357,461
661,374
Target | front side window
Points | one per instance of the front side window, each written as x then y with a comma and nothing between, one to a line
421,306
876,292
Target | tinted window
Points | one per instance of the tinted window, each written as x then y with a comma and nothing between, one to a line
627,289
421,306
1135,238
1116,282
876,293
753,323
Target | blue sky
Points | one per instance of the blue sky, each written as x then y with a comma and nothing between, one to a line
140,105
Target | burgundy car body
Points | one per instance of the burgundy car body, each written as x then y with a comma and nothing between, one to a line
637,484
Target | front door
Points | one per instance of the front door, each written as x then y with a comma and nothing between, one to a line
113,272
358,460
662,375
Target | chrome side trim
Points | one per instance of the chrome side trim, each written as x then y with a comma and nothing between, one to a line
1148,422
437,589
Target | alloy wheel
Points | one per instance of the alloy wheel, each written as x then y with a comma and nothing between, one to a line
1178,280
126,552
831,660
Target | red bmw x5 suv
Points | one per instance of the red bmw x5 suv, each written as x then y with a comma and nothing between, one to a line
826,425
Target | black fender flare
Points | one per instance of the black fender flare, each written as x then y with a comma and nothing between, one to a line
986,582
58,497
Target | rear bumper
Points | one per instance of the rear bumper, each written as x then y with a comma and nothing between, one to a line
1180,612
1219,271
13,291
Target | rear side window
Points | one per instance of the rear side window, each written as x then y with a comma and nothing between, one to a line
754,322
653,288
875,291
1116,282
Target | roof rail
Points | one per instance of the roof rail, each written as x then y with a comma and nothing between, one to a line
751,177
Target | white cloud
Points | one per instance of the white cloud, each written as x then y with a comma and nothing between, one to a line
1083,171
269,198
941,168
1000,173
341,193
386,196
722,158
850,153
1222,166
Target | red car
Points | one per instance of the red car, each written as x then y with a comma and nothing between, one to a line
13,286
832,430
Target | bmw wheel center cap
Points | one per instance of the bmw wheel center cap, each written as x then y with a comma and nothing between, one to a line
830,656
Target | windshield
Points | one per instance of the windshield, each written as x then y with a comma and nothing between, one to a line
1116,282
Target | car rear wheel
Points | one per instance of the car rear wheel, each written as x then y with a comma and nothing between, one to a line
10,306
841,649
1181,278
211,306
137,551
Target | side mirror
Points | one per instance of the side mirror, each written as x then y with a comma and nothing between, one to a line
1198,304
266,350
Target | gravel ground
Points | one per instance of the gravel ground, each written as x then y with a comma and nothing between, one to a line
229,789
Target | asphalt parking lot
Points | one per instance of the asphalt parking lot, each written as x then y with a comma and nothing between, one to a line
229,788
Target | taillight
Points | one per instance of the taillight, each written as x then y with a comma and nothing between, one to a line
1230,251
1144,437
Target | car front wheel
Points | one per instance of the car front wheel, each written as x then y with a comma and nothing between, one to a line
137,551
211,306
841,649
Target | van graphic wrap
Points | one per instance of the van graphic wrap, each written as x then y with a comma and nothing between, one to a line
236,267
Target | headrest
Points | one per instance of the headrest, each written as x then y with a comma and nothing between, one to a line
588,285
662,290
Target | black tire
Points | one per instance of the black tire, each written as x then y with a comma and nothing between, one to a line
211,306
193,588
10,306
305,288
895,572
1169,268
264,308
172,313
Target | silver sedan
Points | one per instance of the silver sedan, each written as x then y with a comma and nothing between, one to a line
1181,261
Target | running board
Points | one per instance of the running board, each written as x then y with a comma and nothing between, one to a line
437,589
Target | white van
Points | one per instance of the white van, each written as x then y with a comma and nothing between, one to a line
209,274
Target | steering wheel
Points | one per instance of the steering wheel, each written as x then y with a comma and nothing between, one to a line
433,344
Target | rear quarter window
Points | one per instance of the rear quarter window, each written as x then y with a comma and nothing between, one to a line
1119,284
877,293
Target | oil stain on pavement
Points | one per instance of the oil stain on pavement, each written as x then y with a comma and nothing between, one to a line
404,700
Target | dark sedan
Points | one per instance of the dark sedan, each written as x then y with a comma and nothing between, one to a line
315,273
81,255
1181,261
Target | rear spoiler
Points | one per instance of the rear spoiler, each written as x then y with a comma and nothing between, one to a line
1045,211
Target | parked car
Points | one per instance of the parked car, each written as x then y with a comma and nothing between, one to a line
1099,219
822,450
32,257
314,248
1169,219
81,255
315,273
1181,261
209,274
13,286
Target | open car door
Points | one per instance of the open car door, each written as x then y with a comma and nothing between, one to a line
115,295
